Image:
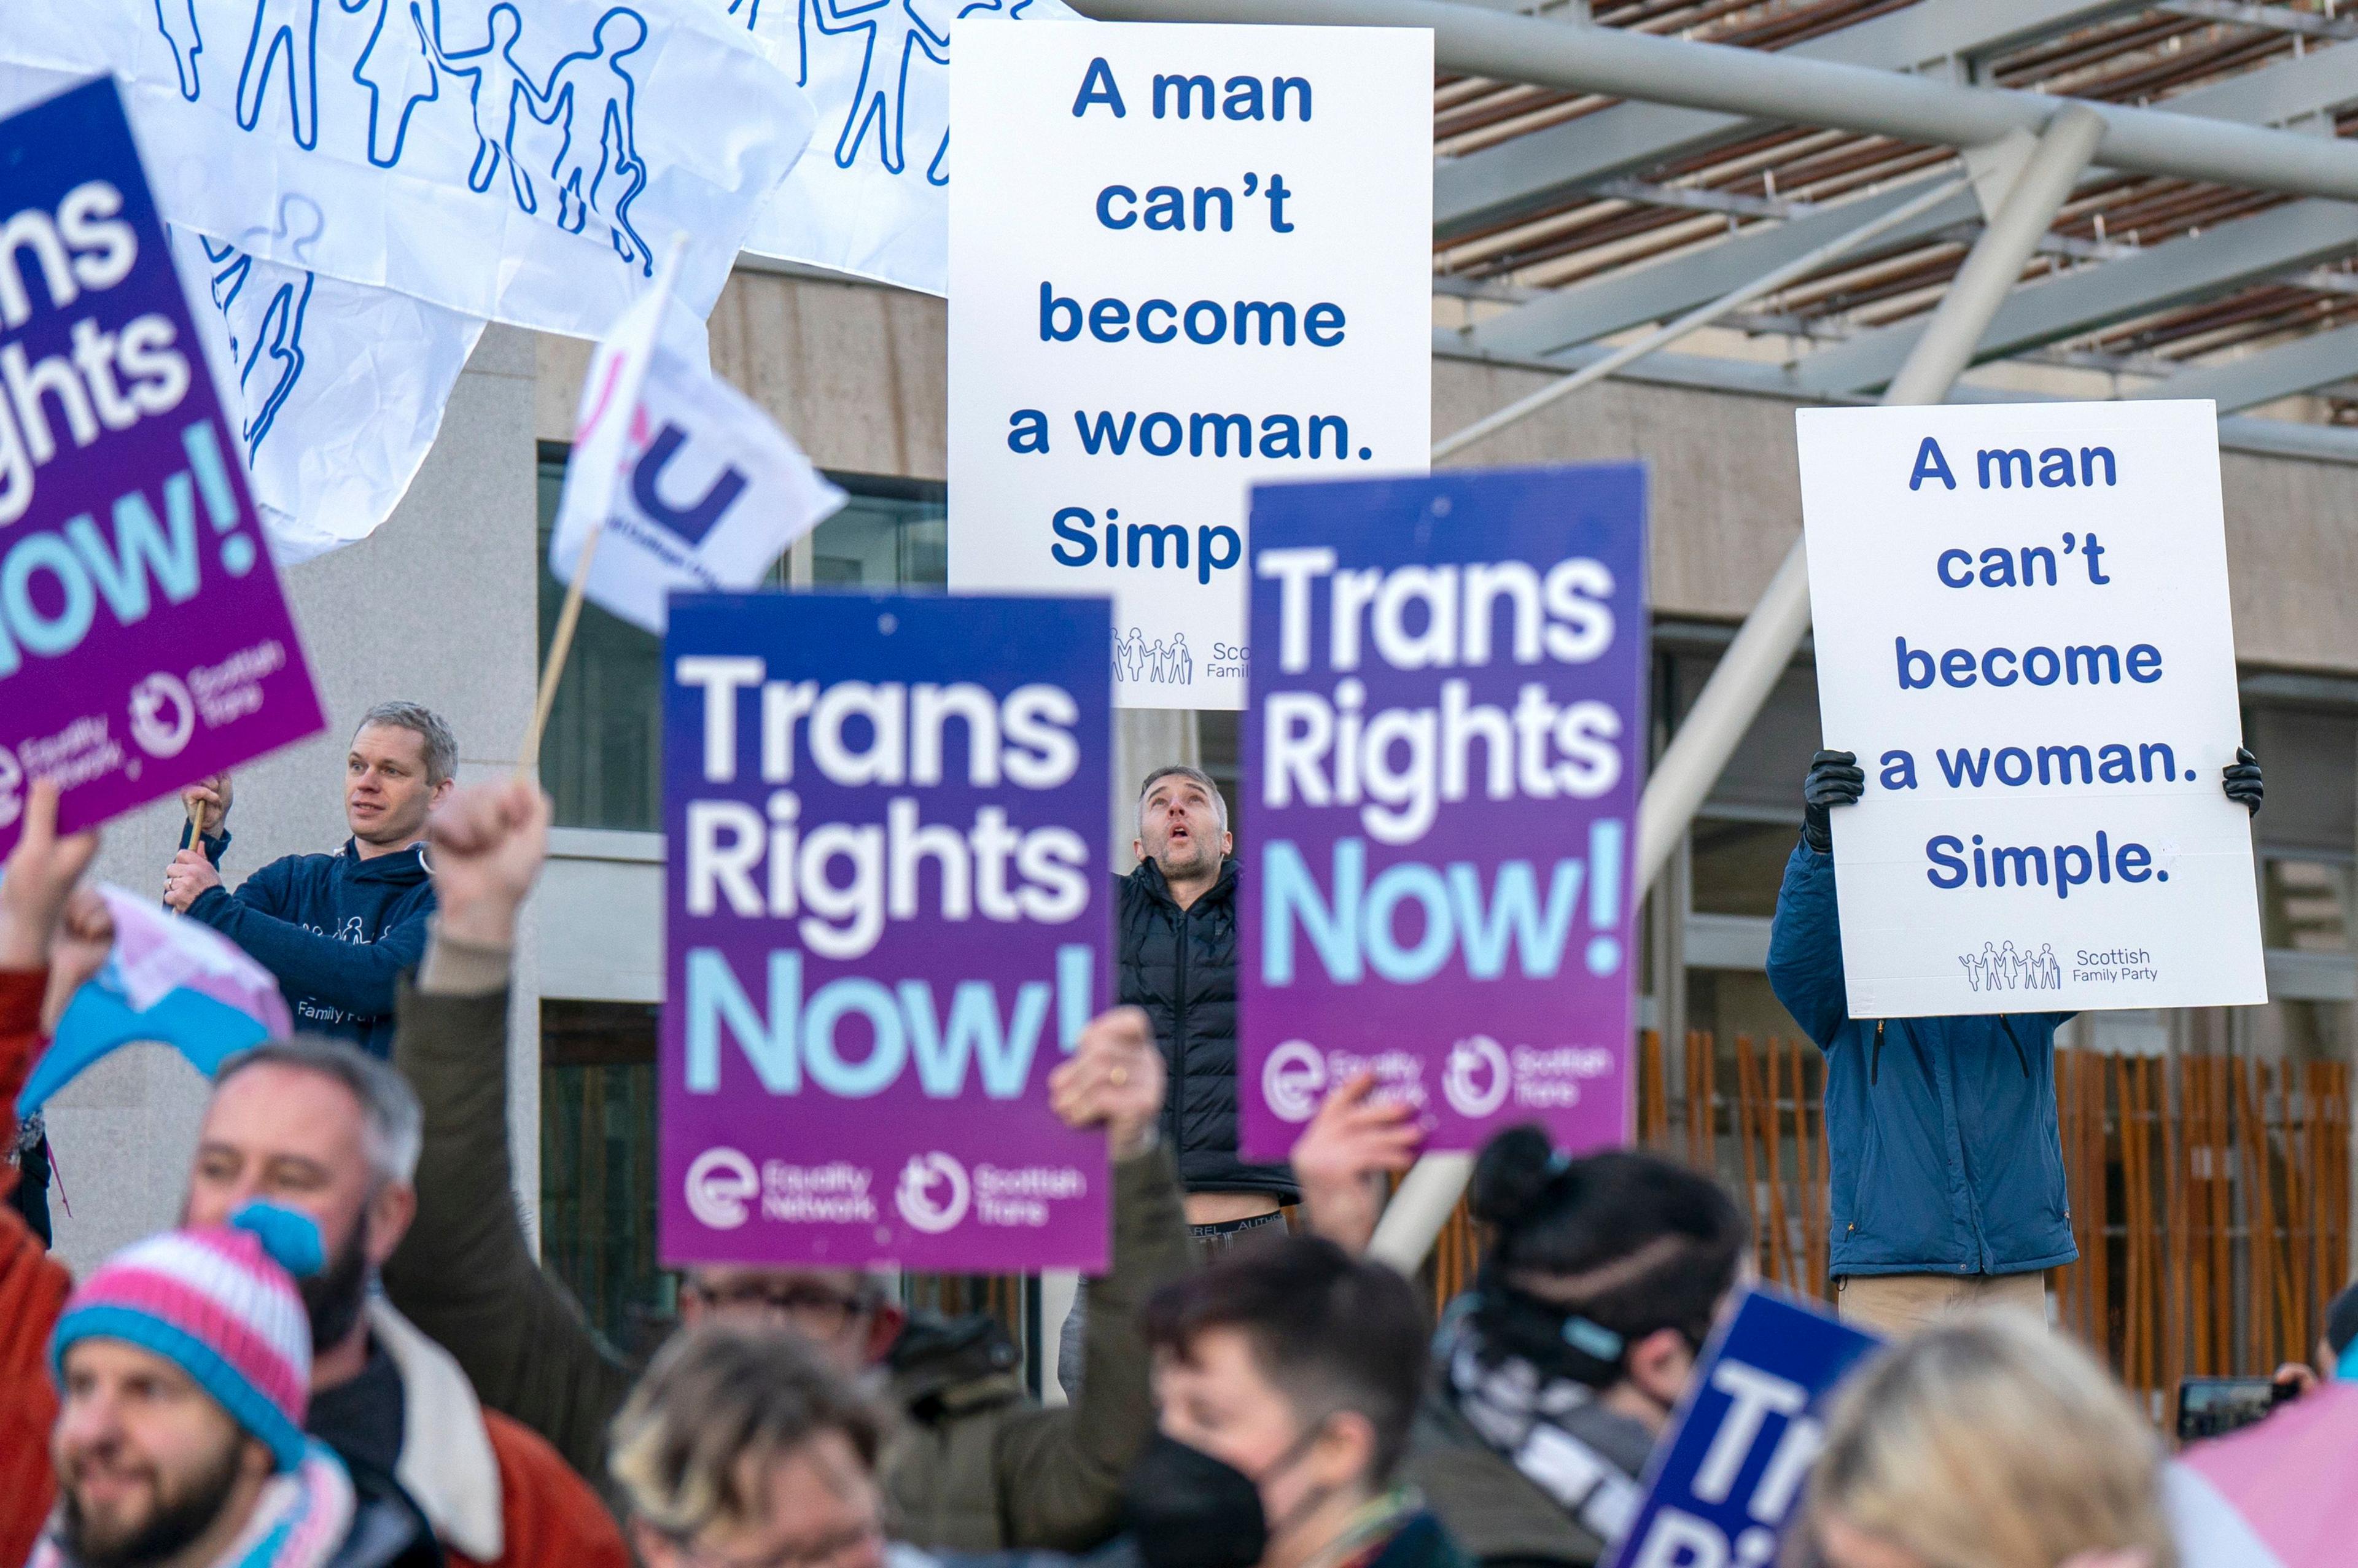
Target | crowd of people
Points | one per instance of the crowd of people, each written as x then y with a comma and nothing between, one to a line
346,1351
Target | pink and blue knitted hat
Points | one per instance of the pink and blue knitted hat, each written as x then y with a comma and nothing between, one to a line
220,1303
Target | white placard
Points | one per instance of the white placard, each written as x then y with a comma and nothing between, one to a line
1167,243
2005,596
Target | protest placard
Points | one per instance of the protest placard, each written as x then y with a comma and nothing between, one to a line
1721,1486
144,641
1183,258
887,924
2023,632
1441,763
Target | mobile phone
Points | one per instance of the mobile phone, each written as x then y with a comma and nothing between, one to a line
2213,1407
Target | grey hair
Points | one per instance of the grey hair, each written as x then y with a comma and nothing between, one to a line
687,1447
442,746
392,1127
1180,770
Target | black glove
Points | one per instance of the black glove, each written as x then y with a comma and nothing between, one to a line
2242,781
1835,779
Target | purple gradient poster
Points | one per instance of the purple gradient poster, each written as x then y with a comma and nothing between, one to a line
888,923
144,641
1441,763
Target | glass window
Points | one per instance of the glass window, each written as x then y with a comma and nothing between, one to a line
597,1166
893,533
2305,904
601,759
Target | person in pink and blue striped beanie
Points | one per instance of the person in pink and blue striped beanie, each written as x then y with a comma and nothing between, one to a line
183,1366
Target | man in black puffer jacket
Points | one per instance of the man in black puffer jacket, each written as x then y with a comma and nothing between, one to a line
1175,956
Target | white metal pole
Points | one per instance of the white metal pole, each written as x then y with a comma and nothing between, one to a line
1620,62
1746,673
1733,697
1700,317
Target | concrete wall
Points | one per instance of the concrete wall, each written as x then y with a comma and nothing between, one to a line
856,373
437,606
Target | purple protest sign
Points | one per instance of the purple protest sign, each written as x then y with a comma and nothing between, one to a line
888,923
144,643
1441,760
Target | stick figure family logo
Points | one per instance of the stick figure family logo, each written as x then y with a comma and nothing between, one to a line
1477,1077
163,715
264,321
914,1196
721,1181
574,128
1293,1080
1136,661
2000,967
902,53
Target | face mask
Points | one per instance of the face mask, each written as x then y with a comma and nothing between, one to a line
1187,1510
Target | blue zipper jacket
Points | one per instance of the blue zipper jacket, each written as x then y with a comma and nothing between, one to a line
1942,1132
338,930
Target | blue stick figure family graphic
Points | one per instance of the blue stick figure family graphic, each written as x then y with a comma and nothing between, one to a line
265,322
583,106
905,50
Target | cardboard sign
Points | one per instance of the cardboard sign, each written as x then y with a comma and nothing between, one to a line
2023,632
1183,258
1447,729
144,643
1720,1489
888,922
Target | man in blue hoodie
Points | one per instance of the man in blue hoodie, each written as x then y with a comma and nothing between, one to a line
337,930
1947,1159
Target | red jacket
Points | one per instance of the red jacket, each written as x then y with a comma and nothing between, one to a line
548,1517
33,1288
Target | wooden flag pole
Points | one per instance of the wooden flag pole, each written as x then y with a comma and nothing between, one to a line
560,646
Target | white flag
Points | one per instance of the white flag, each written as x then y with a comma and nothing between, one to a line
339,388
870,196
519,162
686,483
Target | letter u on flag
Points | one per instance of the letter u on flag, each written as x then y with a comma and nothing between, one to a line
686,483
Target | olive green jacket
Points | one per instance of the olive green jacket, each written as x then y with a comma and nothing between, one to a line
975,1465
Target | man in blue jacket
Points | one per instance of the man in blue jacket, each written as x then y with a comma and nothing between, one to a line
337,930
1948,1161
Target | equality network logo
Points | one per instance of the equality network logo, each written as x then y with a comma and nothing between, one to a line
934,1194
1293,1080
721,1184
1998,966
567,138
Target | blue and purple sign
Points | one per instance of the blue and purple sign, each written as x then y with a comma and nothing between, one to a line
144,641
888,922
1441,763
1722,1487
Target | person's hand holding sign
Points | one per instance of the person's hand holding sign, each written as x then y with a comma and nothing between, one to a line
189,875
1835,779
209,796
1115,1080
1354,1137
